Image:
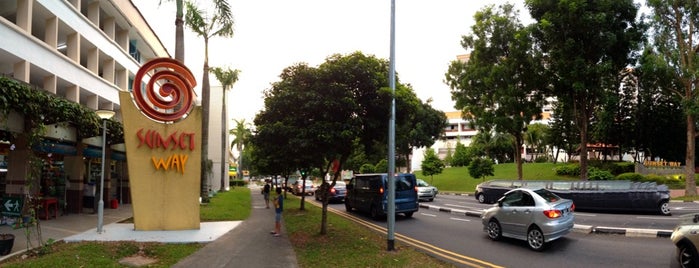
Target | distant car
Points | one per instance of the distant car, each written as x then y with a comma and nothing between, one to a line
297,187
534,215
335,194
686,238
425,191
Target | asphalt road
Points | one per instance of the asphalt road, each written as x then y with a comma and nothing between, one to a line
460,239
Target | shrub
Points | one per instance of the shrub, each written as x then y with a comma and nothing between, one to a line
630,176
568,170
597,174
237,183
541,159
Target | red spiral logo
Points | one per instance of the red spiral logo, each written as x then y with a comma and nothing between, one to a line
175,96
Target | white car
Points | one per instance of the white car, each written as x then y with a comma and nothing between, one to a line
536,216
426,191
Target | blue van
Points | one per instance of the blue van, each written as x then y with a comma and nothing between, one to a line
368,193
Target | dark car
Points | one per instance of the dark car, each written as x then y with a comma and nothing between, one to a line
590,195
367,193
335,194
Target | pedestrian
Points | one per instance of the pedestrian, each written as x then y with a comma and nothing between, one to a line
265,193
279,207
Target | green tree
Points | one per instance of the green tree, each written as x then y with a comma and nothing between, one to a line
297,118
535,137
431,164
220,24
227,78
242,134
562,132
480,168
381,166
587,43
500,86
676,41
461,156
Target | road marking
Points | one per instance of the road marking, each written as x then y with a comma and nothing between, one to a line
585,214
658,218
431,215
459,219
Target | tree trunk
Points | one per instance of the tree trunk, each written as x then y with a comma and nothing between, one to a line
179,32
690,183
583,146
205,101
224,144
518,154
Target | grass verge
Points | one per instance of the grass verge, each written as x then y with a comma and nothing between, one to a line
225,206
346,243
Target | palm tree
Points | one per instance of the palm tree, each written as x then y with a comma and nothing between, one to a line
179,31
221,24
242,134
227,78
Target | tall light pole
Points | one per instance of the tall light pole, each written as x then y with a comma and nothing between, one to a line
392,137
104,115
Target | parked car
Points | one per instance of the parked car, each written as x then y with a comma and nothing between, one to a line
590,195
537,216
298,187
367,193
335,194
686,238
425,191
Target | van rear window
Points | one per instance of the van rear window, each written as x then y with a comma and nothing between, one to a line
404,183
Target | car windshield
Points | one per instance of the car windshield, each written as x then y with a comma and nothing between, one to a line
548,196
421,183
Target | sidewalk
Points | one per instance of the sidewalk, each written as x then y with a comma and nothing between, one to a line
230,244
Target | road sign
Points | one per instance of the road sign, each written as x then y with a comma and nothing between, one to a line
12,206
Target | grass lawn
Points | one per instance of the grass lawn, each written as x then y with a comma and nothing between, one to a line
457,179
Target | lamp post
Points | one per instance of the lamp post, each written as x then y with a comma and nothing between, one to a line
104,115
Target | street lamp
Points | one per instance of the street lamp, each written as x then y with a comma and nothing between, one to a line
104,115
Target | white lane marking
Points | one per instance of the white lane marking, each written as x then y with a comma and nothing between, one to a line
431,215
658,218
585,214
459,219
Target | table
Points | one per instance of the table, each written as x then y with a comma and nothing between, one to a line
47,202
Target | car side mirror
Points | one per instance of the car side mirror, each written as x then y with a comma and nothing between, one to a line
499,203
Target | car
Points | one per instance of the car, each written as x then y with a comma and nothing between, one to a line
614,195
367,193
335,194
685,236
425,191
537,216
298,187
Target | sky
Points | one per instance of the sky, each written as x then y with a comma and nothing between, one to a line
270,35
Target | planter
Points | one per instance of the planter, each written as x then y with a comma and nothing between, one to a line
6,243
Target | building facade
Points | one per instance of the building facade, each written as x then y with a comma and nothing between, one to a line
83,51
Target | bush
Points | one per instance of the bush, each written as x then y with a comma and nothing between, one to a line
234,183
630,176
572,170
541,159
597,174
366,168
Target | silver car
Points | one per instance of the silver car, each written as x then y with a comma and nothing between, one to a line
426,191
534,215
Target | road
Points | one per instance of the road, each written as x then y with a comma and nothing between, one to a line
460,239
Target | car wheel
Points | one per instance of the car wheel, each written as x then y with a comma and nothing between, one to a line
375,214
481,198
535,239
409,214
687,255
494,230
665,208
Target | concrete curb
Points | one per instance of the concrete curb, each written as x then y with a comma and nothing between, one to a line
578,228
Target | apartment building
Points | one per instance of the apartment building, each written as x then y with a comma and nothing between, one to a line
84,51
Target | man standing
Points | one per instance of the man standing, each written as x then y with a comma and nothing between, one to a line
279,207
265,193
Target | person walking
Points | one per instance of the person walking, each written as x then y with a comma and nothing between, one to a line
265,193
279,207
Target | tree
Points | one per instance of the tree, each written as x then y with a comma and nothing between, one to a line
227,78
431,164
676,38
587,44
500,86
461,156
480,168
318,117
242,135
562,131
221,24
535,137
179,30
